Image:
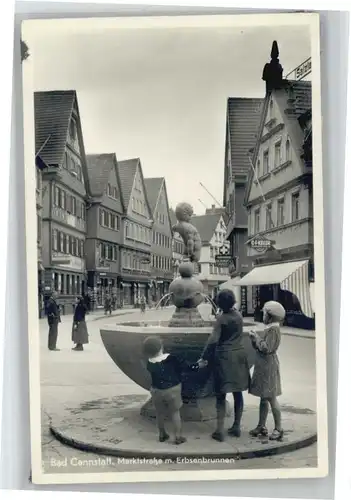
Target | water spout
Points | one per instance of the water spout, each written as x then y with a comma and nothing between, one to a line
162,299
210,301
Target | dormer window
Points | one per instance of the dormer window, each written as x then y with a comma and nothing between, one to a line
73,130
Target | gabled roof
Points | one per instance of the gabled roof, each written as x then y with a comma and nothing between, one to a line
206,225
52,111
243,118
172,216
99,169
127,170
153,187
298,103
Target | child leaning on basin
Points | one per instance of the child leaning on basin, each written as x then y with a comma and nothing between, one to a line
266,383
226,356
166,387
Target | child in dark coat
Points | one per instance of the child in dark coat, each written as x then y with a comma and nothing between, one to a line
225,351
166,387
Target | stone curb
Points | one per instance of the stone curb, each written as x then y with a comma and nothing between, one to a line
237,455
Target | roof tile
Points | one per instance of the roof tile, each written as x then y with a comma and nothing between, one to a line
52,111
243,116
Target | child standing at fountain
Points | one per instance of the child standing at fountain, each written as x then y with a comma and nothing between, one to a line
226,353
166,371
266,382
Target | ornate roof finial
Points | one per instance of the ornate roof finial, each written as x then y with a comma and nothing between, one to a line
273,71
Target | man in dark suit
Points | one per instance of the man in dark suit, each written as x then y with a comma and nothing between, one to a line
54,318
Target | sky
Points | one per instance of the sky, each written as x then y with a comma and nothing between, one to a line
160,94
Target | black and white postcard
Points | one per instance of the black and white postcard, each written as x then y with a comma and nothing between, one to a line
174,218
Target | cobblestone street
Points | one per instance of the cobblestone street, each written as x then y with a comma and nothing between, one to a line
72,378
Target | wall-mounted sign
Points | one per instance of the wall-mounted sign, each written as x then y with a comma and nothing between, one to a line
301,71
223,260
260,244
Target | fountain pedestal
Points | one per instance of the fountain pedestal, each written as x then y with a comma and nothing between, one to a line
183,318
195,410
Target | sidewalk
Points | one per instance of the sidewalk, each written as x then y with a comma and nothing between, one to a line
289,330
99,315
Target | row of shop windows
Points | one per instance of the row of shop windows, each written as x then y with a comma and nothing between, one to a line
159,262
67,244
69,203
67,284
110,220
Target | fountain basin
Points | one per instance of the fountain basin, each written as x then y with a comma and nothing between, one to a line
124,342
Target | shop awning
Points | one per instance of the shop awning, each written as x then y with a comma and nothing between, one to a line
231,284
292,276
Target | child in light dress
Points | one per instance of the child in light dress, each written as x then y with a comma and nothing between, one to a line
266,382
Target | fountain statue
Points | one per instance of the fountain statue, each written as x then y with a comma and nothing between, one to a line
185,334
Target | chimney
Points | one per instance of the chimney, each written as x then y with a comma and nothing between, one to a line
213,207
273,71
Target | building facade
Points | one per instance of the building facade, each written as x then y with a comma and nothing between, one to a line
212,230
279,200
137,234
59,142
242,122
161,248
104,239
177,246
39,166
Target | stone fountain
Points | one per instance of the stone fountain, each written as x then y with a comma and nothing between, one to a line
185,334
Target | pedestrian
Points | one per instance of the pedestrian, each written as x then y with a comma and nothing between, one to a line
79,327
142,305
54,318
226,356
266,383
114,302
108,304
166,387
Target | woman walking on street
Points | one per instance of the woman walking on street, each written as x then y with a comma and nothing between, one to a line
79,330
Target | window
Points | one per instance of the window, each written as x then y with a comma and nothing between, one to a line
280,212
54,240
258,169
57,197
73,130
287,150
277,154
269,216
38,228
62,242
105,218
295,207
74,205
266,162
257,221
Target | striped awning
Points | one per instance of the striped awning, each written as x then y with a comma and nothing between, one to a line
292,276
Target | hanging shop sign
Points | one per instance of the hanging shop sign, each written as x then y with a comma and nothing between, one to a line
260,244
